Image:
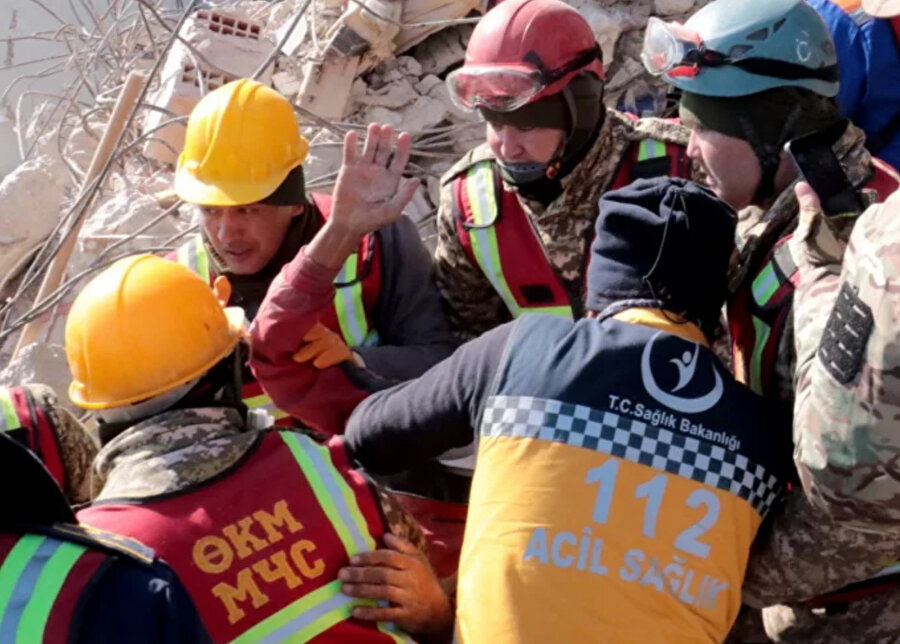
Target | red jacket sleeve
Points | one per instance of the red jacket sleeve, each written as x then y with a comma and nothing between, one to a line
320,398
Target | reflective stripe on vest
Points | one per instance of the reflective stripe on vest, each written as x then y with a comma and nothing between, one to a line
348,300
481,191
321,609
9,418
193,254
776,273
351,311
263,403
31,578
651,149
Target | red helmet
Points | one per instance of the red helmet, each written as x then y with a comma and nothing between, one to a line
522,51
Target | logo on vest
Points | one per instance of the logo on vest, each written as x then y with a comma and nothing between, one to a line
686,366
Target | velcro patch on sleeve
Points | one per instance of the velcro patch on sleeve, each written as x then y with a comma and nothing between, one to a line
847,332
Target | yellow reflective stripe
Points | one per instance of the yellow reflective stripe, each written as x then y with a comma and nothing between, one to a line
483,202
349,305
9,418
480,189
262,401
193,255
651,149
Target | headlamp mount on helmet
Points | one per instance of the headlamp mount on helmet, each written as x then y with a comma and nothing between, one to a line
675,51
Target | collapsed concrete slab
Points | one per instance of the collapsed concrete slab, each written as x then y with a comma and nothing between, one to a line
215,48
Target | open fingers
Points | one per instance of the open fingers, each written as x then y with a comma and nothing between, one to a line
401,154
350,139
402,196
371,145
385,143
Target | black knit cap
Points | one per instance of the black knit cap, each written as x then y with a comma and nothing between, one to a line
291,191
662,243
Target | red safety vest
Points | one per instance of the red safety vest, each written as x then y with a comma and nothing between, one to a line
261,560
498,237
757,313
23,419
44,576
357,287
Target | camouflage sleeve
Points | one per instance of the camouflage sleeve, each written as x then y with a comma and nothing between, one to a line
472,304
399,522
847,448
75,446
800,553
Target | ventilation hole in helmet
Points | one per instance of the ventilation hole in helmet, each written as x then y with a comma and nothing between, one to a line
778,25
759,34
739,50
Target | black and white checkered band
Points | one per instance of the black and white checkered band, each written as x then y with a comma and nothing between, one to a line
633,440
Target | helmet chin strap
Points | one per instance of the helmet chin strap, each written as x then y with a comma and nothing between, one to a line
769,156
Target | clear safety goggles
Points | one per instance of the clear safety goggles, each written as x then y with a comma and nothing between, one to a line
670,48
505,88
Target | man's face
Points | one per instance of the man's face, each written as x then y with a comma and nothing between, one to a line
247,237
733,171
512,144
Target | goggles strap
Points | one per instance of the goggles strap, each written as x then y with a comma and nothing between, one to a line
763,66
550,76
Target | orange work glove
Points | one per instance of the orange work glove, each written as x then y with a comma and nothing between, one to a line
325,348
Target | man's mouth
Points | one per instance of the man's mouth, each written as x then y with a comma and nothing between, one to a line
237,253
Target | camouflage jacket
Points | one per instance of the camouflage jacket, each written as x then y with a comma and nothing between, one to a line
847,447
563,227
178,449
759,231
74,445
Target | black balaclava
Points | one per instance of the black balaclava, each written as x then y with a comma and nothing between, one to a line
578,111
766,120
661,243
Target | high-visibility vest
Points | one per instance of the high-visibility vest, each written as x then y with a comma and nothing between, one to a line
498,237
261,560
357,287
24,420
44,577
757,314
613,504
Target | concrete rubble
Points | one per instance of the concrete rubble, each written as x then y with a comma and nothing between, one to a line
343,63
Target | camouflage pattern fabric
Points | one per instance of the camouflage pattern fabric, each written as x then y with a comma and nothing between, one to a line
758,232
838,529
75,445
870,620
183,447
564,227
847,444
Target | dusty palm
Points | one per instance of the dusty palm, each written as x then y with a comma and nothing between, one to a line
371,191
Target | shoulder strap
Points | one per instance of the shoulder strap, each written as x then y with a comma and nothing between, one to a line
97,539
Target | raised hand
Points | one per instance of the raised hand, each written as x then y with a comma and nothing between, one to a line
371,192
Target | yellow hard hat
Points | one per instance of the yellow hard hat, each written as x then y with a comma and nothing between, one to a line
242,140
142,327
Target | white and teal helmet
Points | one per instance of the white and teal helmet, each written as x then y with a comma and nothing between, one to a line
740,47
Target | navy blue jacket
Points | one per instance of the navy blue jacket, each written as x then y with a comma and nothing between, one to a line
869,60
